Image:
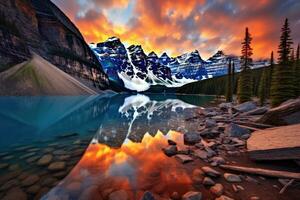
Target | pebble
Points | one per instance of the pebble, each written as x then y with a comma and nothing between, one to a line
34,189
175,196
15,194
41,193
223,197
192,195
121,195
210,172
208,181
30,180
14,167
56,166
232,178
148,196
171,142
201,154
170,150
91,193
27,155
184,158
45,160
217,189
32,159
217,160
7,157
9,185
254,198
3,165
49,181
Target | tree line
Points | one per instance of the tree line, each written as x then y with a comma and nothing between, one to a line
278,82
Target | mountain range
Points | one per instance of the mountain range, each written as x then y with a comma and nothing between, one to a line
132,69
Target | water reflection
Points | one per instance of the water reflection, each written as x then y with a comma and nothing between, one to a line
134,168
117,133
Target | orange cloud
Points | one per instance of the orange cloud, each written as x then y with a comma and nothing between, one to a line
179,26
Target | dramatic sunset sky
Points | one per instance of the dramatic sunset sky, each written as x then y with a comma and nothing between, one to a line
179,26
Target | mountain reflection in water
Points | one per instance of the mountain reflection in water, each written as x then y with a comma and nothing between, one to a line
106,143
126,155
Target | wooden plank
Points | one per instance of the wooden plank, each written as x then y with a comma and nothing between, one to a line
280,143
263,172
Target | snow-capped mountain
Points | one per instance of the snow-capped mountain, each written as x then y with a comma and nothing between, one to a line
133,69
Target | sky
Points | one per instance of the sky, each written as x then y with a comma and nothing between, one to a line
180,26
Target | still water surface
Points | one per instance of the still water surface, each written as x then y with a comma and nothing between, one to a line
94,147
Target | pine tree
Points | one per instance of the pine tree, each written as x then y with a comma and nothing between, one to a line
269,73
263,87
297,72
229,83
244,83
283,87
233,79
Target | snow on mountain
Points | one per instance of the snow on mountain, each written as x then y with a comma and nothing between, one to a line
132,68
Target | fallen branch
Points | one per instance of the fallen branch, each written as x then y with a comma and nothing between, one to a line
286,186
263,172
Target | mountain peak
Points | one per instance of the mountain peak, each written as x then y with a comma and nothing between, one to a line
152,54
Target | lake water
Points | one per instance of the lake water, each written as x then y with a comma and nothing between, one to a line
93,146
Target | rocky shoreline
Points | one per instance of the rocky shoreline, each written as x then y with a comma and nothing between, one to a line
222,139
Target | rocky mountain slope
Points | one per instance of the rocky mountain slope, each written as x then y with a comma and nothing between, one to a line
33,26
133,69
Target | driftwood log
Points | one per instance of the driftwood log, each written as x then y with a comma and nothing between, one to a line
263,172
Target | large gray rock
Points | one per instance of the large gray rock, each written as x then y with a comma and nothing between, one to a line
245,107
235,130
191,138
285,114
192,195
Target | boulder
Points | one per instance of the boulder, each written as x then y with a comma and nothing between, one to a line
192,195
285,114
245,107
280,143
170,150
191,138
234,130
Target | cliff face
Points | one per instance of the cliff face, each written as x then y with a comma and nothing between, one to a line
34,26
